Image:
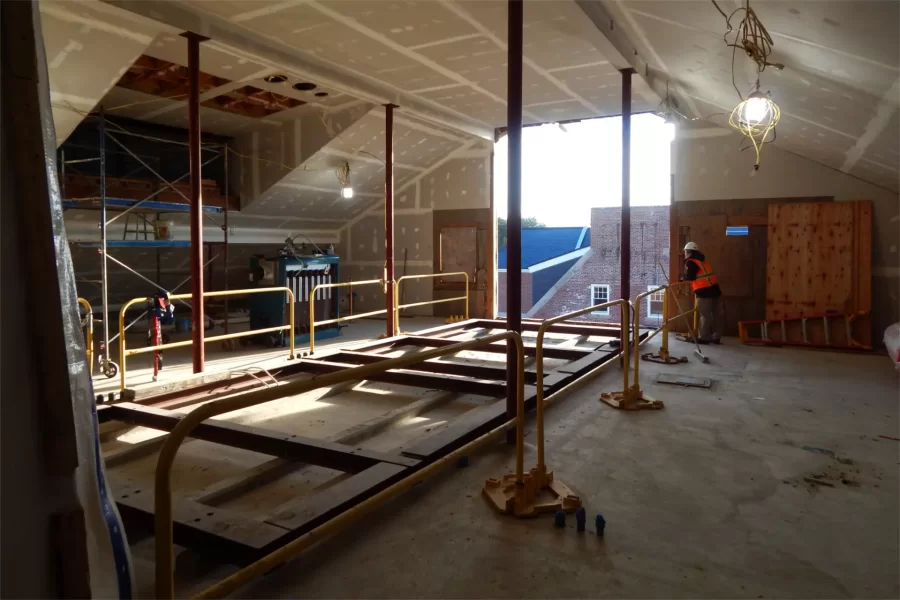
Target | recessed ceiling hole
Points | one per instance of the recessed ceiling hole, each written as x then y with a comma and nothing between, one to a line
304,86
321,94
275,78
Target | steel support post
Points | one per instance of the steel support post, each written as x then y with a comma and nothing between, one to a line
625,267
197,317
514,198
389,291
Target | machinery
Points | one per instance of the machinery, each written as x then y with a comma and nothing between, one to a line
301,274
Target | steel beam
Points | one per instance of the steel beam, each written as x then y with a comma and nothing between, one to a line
562,353
415,378
193,101
292,447
611,331
625,255
389,217
514,54
434,366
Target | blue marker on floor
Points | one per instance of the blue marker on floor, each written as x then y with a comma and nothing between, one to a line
559,519
580,518
600,524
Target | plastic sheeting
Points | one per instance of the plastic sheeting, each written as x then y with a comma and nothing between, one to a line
107,547
892,343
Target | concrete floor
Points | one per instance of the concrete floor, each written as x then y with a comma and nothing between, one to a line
706,498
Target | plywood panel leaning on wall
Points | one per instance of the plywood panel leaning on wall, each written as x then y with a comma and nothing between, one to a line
819,260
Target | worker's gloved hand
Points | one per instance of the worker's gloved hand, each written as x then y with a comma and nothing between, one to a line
681,278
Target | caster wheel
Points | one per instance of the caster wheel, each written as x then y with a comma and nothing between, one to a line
111,370
270,341
228,345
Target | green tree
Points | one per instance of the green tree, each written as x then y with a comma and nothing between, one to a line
501,228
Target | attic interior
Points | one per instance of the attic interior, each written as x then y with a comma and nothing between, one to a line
281,322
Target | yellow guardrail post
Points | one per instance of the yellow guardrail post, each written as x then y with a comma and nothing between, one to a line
663,356
165,585
325,286
399,307
290,327
88,335
518,496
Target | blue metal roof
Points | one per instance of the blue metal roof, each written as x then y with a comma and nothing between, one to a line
543,243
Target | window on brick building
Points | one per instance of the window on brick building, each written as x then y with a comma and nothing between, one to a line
655,302
600,295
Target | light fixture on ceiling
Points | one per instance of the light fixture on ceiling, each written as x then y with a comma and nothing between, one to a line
275,78
756,118
304,86
669,128
343,175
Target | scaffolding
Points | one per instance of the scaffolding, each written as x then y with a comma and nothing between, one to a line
129,207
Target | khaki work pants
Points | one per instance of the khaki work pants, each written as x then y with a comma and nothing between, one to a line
712,321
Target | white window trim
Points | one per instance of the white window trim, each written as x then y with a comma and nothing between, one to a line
650,313
602,311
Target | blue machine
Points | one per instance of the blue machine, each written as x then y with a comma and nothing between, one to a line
301,274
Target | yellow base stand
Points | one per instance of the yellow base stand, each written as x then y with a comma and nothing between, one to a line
631,399
454,319
664,358
539,493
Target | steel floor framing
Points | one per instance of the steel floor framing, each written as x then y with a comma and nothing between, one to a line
236,538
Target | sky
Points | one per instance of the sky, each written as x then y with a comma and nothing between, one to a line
566,173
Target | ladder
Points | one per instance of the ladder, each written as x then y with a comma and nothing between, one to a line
833,329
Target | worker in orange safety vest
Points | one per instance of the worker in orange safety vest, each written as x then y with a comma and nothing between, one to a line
709,295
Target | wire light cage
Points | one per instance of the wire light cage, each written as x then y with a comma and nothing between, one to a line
756,118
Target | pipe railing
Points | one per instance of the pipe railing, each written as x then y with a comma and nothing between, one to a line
324,286
637,319
165,584
88,334
123,352
398,307
625,307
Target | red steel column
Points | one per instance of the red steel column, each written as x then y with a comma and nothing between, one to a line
198,320
514,198
625,267
389,214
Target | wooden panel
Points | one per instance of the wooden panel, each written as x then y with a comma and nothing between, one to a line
739,261
810,259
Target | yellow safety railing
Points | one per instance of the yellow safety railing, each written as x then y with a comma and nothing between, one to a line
165,584
325,286
398,306
123,352
88,334
663,329
663,354
539,357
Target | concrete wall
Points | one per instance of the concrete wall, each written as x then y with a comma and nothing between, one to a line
714,169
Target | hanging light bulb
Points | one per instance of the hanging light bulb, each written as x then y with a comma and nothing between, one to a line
756,109
756,117
669,128
343,175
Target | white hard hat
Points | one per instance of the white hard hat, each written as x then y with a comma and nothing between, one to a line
691,246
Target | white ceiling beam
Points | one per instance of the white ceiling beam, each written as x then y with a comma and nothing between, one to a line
887,106
621,52
232,37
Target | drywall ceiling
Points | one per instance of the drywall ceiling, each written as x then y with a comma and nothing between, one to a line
312,189
449,57
839,91
88,45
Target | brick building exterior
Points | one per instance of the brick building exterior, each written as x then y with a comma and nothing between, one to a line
596,273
